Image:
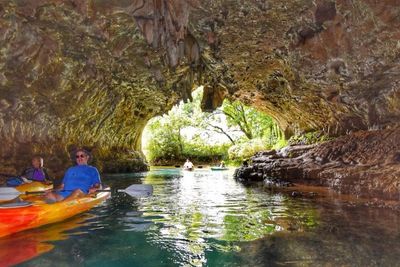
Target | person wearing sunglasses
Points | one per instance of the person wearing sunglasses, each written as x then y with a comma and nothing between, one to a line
78,180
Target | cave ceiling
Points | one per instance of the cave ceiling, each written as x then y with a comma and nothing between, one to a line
94,72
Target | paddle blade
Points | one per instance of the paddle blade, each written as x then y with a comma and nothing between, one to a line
139,190
8,193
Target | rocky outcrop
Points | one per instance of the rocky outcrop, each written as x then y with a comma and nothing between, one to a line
324,64
85,73
93,73
365,164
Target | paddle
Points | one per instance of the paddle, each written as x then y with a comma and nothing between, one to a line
135,190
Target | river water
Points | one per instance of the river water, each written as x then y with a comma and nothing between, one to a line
206,218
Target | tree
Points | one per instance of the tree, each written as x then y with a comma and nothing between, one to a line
251,122
209,122
186,131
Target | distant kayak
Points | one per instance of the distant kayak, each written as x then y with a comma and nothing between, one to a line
216,168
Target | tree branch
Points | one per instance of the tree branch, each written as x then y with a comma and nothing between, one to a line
220,130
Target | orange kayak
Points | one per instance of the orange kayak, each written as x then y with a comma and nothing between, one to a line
38,213
33,186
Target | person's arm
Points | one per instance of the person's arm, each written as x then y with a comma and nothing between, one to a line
59,188
96,182
47,178
64,180
46,175
24,173
94,188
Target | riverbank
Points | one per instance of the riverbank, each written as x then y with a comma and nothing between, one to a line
363,164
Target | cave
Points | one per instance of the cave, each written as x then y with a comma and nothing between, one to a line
93,73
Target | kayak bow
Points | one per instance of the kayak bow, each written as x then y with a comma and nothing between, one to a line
219,168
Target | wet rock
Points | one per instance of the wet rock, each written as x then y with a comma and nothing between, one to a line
377,176
243,174
273,182
326,10
266,153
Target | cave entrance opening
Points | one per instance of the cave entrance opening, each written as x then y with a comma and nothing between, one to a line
232,133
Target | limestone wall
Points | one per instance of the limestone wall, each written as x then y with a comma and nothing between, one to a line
94,72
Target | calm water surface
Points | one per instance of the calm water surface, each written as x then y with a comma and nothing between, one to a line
205,218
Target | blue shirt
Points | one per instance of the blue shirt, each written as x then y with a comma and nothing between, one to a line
81,176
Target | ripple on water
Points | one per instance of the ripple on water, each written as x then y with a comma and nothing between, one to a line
208,219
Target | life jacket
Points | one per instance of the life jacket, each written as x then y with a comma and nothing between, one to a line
29,173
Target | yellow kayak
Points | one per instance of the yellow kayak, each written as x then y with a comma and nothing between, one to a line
33,186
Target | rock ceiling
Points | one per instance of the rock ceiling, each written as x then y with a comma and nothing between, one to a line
94,72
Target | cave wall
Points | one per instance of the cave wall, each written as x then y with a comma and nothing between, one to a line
94,72
329,65
82,73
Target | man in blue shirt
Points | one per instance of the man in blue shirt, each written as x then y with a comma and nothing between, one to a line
78,181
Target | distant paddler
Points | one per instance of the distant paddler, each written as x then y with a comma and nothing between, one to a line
188,166
220,167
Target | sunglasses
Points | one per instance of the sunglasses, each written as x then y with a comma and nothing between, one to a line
80,156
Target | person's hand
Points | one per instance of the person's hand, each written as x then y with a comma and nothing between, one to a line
26,180
48,191
92,190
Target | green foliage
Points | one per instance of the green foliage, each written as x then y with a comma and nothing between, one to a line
308,138
166,145
279,144
252,123
247,131
241,151
201,152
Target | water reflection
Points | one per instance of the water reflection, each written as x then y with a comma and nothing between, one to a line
205,218
194,209
27,245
